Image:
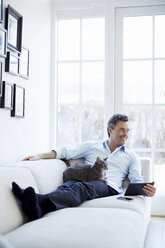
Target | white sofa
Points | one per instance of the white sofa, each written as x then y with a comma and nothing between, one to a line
99,223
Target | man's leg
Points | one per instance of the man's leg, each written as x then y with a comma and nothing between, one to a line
72,193
34,205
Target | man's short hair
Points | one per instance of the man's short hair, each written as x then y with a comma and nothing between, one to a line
114,119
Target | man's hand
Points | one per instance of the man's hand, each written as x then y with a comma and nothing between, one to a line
31,158
49,155
149,189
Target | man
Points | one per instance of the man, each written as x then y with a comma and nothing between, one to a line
122,162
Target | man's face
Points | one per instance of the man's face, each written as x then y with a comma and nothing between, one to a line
119,134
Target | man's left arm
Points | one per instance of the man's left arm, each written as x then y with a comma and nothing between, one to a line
135,175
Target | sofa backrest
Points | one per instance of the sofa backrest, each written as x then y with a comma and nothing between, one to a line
146,170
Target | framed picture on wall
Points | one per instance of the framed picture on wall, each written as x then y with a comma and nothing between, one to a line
18,102
3,42
1,67
12,63
14,27
1,11
6,100
24,63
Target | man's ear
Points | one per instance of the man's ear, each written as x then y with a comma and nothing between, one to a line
110,131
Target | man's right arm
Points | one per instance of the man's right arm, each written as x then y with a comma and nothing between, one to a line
70,152
48,155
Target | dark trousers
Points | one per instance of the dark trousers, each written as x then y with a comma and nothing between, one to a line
73,193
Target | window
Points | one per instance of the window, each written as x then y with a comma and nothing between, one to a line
80,80
141,69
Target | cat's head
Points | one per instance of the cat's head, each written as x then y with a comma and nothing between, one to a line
101,163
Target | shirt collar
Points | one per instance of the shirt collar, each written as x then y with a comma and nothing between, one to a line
104,144
117,149
122,148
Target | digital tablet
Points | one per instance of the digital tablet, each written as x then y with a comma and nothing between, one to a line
135,189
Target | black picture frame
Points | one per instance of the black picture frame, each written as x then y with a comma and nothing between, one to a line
1,70
3,42
12,63
1,11
18,102
14,22
6,101
24,63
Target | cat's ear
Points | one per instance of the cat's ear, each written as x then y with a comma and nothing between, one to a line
98,159
105,158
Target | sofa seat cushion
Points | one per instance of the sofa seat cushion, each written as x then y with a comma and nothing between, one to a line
81,228
138,204
11,216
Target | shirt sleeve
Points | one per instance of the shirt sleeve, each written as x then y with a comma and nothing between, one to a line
134,173
73,152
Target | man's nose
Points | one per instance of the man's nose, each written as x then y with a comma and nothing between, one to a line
125,133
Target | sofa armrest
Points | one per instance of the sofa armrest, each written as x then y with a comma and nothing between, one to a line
146,169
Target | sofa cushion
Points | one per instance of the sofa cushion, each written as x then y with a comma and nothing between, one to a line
139,203
48,173
10,214
82,227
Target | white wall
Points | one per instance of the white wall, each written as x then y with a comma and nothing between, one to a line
21,137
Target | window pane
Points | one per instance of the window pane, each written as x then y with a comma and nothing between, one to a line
159,170
160,127
92,125
144,154
160,82
137,82
159,36
140,125
93,82
138,37
68,82
67,125
69,40
93,38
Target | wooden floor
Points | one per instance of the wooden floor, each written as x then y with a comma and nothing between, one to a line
155,237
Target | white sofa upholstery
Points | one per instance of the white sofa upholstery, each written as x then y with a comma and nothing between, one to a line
104,222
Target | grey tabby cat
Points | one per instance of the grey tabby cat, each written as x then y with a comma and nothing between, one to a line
86,173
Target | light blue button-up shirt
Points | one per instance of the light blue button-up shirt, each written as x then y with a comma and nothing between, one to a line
122,162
